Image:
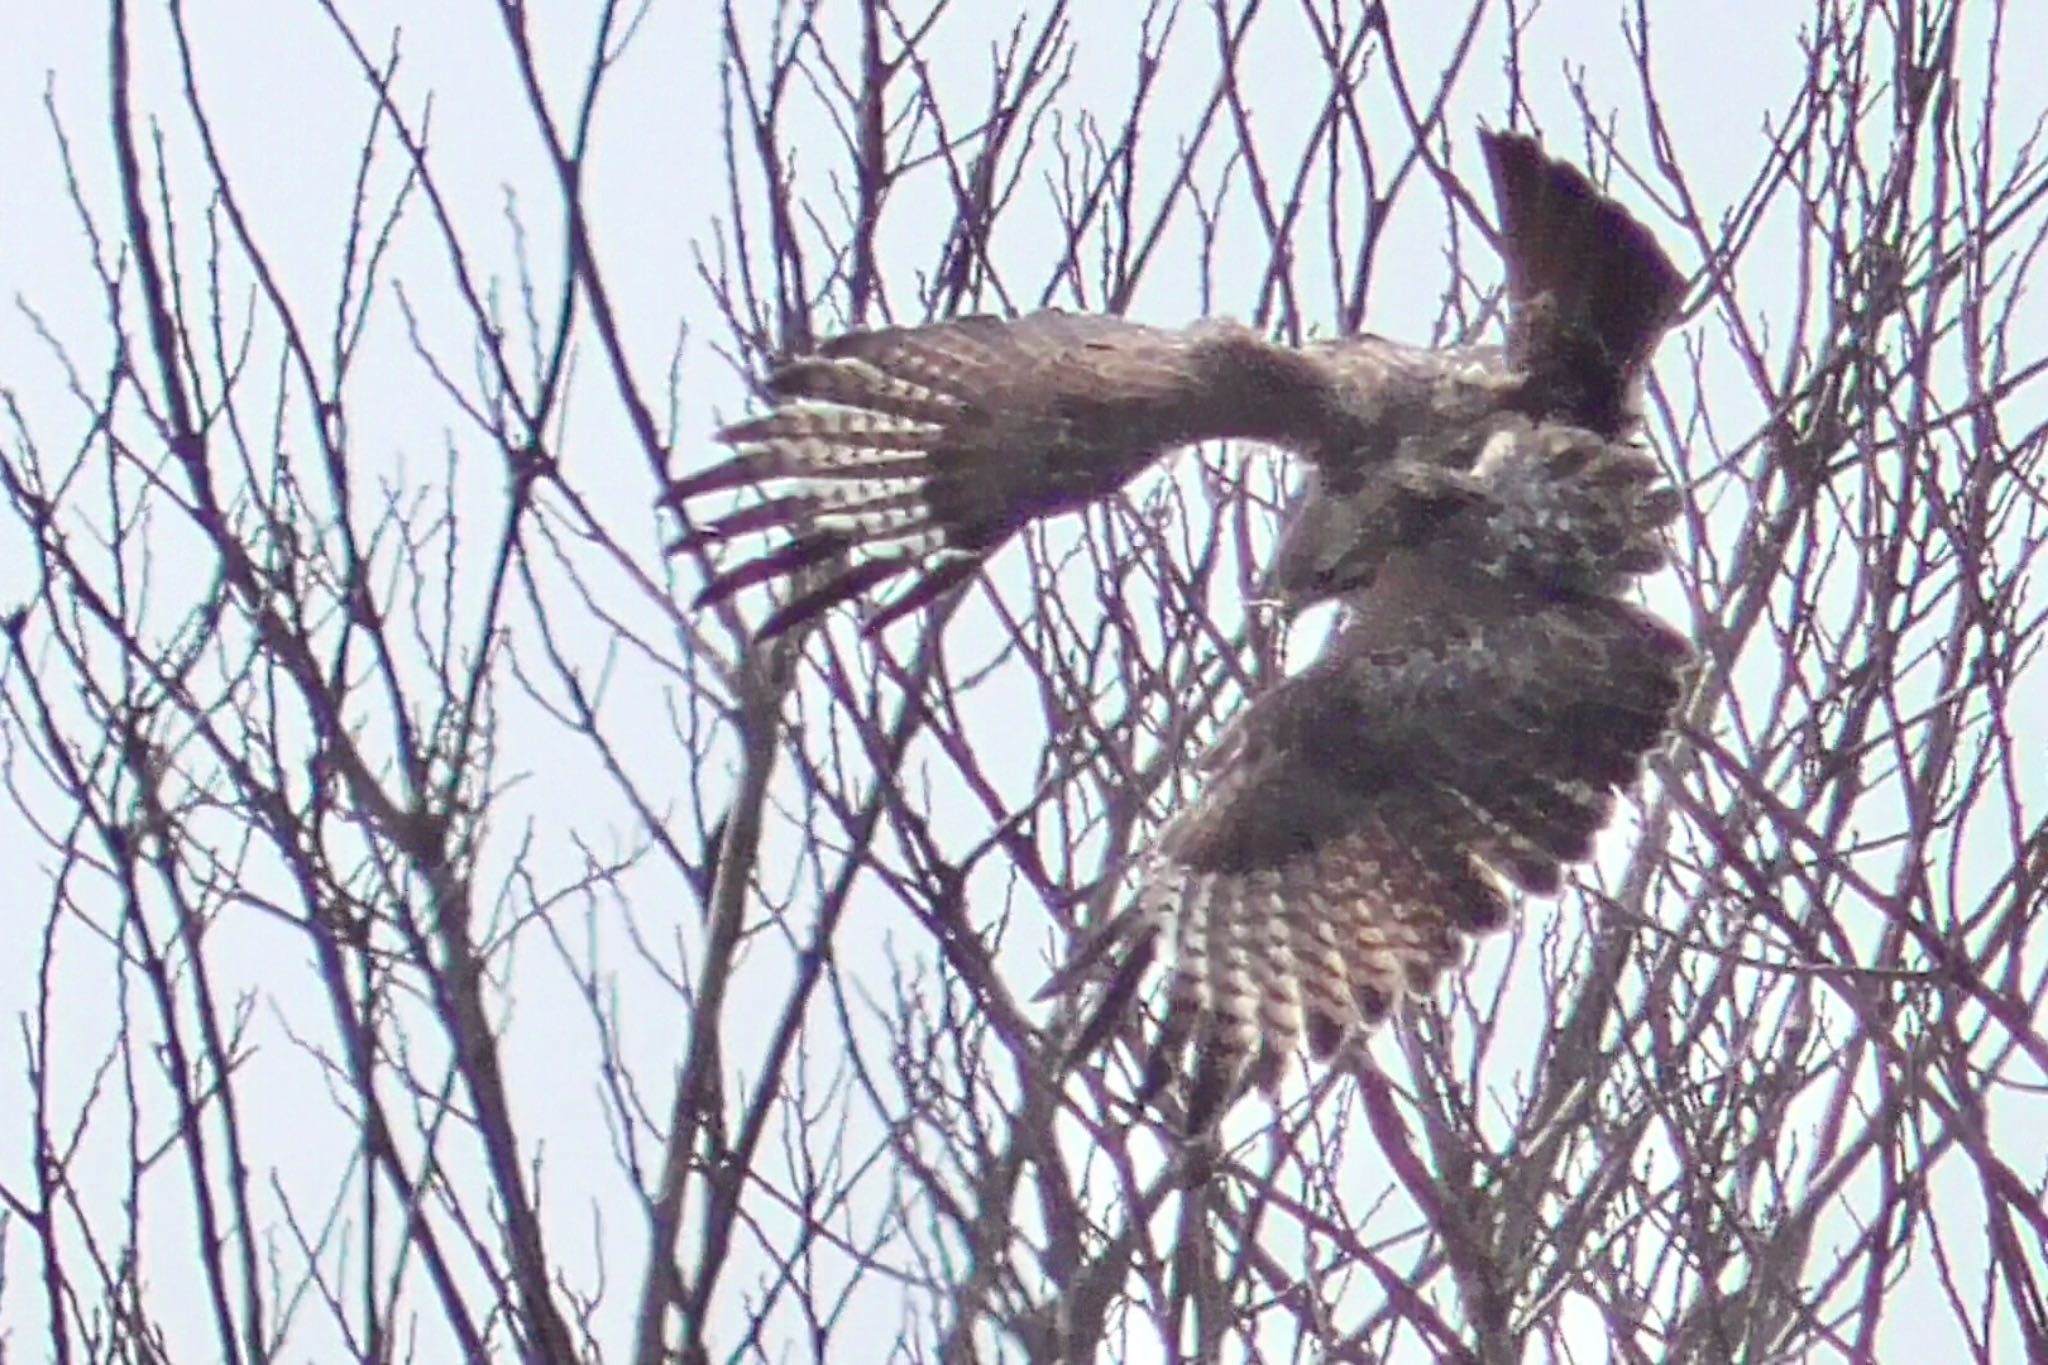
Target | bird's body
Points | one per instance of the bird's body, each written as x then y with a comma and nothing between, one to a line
1466,731
1476,510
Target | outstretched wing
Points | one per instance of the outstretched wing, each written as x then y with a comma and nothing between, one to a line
925,447
1467,729
919,450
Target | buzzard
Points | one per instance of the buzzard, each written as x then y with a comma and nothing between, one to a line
1477,511
1467,728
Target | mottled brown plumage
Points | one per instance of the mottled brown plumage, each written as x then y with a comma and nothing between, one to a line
1476,510
919,450
1467,730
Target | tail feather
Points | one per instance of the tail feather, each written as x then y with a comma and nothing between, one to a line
1219,1067
1591,290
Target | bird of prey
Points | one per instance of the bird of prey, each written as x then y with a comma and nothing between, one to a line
1476,510
919,450
1467,728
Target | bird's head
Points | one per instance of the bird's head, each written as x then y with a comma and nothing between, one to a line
1329,545
1336,539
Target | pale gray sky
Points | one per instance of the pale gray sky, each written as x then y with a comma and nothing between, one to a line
290,112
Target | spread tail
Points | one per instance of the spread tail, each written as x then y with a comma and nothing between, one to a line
1590,291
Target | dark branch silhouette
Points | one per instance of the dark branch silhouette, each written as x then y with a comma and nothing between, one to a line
433,937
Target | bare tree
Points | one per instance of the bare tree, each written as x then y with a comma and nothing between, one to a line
436,941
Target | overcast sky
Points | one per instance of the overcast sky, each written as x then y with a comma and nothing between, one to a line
289,112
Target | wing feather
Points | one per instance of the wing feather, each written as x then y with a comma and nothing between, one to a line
1468,729
917,448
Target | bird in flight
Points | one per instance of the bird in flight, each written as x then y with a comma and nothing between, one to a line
1478,511
918,451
